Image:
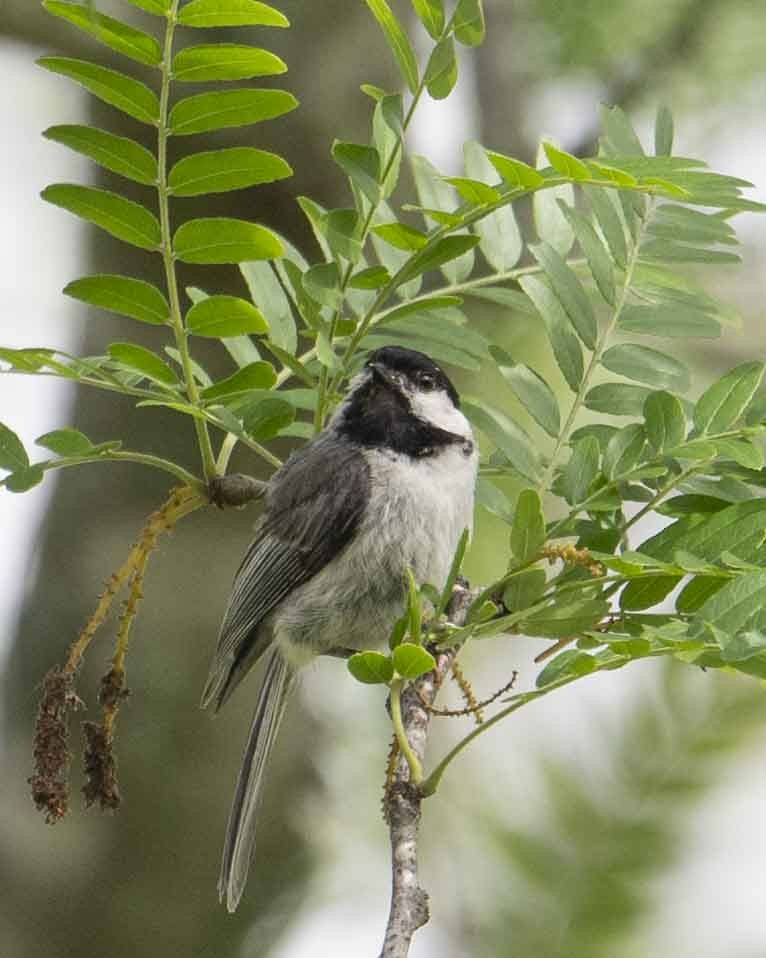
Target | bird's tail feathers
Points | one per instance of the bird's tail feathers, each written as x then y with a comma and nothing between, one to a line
240,832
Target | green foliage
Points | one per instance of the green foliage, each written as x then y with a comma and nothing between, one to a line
604,265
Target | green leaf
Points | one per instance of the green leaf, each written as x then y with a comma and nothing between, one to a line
120,37
431,15
500,238
617,399
608,221
411,661
618,134
444,251
266,418
374,277
569,662
565,163
123,295
219,316
598,259
228,108
123,92
532,390
13,456
230,13
157,7
528,530
569,292
442,70
697,591
741,451
387,133
143,361
218,171
565,344
469,23
122,218
322,283
115,153
342,228
624,450
225,61
401,236
665,420
362,165
267,293
731,608
581,470
435,194
222,240
371,668
516,174
670,321
550,223
691,504
663,132
723,403
647,366
645,593
524,589
258,375
397,41
743,645
65,442
507,436
24,479
565,621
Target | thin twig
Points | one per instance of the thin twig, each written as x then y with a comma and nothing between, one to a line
409,902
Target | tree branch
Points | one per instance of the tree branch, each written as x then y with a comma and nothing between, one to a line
409,902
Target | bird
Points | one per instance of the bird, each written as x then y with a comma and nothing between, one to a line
386,486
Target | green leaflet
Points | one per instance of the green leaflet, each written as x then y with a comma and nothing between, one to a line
532,390
665,420
500,237
116,153
143,361
528,530
112,33
123,92
122,294
469,25
724,402
219,171
225,61
223,240
122,218
223,316
397,41
507,436
442,70
228,108
431,15
13,455
565,344
230,13
647,365
569,292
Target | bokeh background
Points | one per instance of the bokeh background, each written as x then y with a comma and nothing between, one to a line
623,816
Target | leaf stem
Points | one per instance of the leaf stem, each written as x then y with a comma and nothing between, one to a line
598,351
176,320
416,769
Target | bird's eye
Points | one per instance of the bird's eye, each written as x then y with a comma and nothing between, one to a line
427,382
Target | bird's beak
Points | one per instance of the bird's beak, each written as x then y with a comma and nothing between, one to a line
385,377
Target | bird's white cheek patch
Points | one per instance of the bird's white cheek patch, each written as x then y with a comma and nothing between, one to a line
437,408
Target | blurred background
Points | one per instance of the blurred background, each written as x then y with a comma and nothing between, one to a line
622,816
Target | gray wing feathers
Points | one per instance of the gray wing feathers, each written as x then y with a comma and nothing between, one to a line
240,833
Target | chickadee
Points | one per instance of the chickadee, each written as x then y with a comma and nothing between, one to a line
388,484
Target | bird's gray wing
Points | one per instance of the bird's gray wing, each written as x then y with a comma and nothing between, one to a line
313,508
